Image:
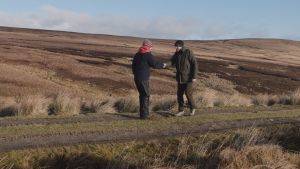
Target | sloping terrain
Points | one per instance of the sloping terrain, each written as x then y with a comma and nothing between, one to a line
39,61
66,90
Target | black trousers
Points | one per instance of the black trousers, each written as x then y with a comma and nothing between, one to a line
144,97
187,89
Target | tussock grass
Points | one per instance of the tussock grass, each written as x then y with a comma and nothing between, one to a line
7,106
216,92
128,104
212,98
237,99
164,103
207,97
99,105
65,104
244,148
265,100
292,98
261,156
32,105
296,97
27,105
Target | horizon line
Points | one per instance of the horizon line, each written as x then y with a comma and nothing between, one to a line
138,37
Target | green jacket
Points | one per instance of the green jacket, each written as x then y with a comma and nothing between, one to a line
186,65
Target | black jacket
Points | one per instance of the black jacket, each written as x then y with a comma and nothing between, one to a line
141,64
186,65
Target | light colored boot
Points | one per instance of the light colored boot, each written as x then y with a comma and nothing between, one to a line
181,113
192,113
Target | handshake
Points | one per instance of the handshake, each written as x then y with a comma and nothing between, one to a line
186,72
165,65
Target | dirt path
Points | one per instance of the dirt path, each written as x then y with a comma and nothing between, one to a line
4,122
39,141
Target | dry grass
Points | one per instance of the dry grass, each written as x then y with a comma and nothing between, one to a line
128,104
215,83
237,99
62,62
242,149
257,148
215,91
259,157
64,104
164,103
30,105
99,105
211,98
292,98
232,66
7,106
205,98
296,97
25,80
266,100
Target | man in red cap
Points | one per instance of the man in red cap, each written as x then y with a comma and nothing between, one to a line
141,64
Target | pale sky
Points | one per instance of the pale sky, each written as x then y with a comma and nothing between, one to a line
171,19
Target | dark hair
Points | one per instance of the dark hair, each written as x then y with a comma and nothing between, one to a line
179,43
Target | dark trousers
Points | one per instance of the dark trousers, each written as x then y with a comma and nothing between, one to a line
143,88
187,89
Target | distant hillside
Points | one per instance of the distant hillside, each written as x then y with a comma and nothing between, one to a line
47,61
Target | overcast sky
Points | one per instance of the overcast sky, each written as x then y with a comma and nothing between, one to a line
171,19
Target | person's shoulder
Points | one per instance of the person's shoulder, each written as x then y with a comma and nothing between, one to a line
188,51
135,57
148,54
137,54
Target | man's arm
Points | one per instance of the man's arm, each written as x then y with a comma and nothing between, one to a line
171,62
133,64
194,66
155,64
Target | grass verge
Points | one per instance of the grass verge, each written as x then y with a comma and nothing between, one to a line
244,148
133,125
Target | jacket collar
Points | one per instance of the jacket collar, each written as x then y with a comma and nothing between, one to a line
183,49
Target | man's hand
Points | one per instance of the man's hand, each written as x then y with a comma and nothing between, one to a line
194,80
165,65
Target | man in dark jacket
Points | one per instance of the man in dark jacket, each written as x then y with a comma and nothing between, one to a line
141,64
186,74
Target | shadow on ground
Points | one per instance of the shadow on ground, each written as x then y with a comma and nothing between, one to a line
127,116
289,139
90,161
84,160
7,112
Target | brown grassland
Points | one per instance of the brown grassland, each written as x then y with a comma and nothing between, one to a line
68,100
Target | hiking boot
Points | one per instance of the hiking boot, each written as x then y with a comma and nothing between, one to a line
192,113
181,113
